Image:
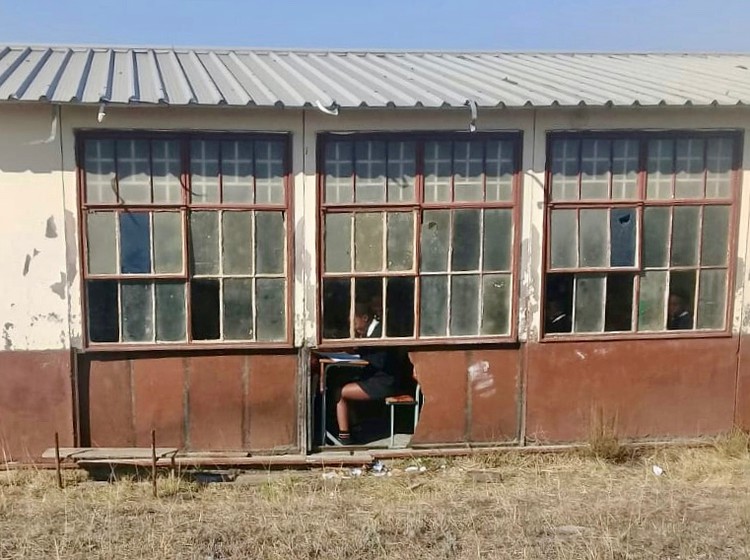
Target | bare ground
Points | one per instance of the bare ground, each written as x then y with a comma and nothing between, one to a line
491,506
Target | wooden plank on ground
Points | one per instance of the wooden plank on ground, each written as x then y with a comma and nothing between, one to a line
95,453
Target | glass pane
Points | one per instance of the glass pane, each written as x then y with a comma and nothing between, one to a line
438,165
135,243
467,239
339,171
618,311
499,170
137,312
238,309
237,242
624,169
622,228
270,308
681,299
100,171
237,171
594,238
204,242
719,168
660,167
712,299
558,309
338,241
166,167
715,245
400,307
400,241
133,171
401,171
170,311
435,240
204,170
370,170
652,299
103,314
685,231
433,305
204,310
167,242
467,169
368,242
368,295
496,291
564,239
269,172
336,307
498,239
589,296
655,236
102,243
464,305
565,169
689,168
269,239
595,158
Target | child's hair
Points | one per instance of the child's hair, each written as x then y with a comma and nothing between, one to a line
361,309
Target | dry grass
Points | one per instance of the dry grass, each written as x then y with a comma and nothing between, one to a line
533,506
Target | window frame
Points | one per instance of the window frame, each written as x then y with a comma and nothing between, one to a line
185,206
419,206
640,203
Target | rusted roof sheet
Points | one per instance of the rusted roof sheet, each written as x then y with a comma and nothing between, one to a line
275,78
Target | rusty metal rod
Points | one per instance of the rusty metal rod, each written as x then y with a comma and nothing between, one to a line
153,462
57,461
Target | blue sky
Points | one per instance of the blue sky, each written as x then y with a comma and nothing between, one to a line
568,25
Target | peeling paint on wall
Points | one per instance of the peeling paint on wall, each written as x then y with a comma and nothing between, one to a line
7,342
51,231
481,379
59,287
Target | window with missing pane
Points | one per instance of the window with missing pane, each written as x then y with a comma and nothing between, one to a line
185,238
420,230
639,232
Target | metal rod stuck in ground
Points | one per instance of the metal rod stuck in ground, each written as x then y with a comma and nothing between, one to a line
57,461
153,461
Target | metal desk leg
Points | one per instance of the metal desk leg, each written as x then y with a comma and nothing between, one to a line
393,425
323,407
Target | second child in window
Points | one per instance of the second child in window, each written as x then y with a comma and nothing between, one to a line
679,317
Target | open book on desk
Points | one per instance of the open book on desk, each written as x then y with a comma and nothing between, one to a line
340,356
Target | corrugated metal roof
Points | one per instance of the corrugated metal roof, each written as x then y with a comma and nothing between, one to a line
271,78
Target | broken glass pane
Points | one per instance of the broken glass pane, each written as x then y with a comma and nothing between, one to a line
589,301
689,165
135,243
103,315
170,311
204,242
464,305
595,162
685,232
618,313
336,307
715,246
166,168
498,239
102,243
370,169
338,241
499,170
100,171
238,309
468,164
660,167
682,285
339,172
466,243
237,171
435,240
652,299
565,167
433,305
204,311
133,171
399,307
712,299
438,165
137,311
496,293
622,228
655,236
400,240
270,308
269,236
368,241
401,171
204,171
624,169
167,242
237,242
564,238
594,238
558,305
269,171
719,167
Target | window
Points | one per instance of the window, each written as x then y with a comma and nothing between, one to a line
639,231
421,230
185,238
